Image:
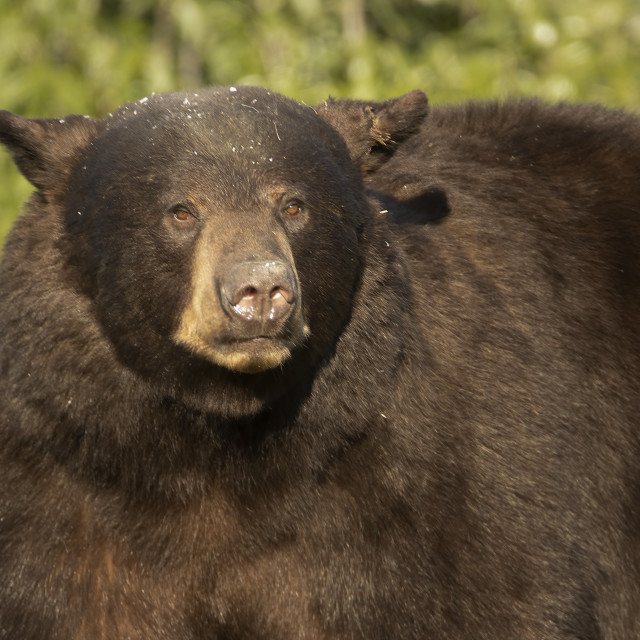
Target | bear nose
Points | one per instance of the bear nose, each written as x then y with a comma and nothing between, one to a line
261,293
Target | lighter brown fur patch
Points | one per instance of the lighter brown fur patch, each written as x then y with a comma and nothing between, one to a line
203,322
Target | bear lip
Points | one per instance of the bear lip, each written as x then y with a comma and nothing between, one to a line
243,355
253,355
229,342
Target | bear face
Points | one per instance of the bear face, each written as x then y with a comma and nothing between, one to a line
224,213
220,199
219,204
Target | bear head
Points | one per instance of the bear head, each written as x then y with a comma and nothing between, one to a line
217,234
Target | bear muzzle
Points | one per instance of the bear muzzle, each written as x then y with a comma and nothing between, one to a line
248,318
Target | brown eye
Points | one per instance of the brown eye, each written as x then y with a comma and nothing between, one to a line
293,209
182,215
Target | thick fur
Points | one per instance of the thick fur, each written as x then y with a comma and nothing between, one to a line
451,449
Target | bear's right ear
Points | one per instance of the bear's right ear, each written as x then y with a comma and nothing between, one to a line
45,150
373,130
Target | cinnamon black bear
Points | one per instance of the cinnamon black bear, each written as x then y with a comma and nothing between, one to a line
362,371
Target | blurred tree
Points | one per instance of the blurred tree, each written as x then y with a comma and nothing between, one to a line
89,56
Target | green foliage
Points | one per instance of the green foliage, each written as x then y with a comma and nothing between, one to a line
89,56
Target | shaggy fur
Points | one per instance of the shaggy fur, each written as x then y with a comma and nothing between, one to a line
448,445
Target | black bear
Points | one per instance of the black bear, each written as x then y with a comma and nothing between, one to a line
369,370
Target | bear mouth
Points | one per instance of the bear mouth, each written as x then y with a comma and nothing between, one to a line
253,354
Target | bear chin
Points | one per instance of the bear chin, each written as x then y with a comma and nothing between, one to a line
254,355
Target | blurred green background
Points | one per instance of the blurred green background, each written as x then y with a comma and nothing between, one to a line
89,56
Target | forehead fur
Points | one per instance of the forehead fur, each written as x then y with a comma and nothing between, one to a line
229,118
235,138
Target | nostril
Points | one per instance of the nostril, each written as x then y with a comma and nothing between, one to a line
280,300
281,293
243,293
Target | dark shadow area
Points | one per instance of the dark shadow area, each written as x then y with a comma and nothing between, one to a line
429,207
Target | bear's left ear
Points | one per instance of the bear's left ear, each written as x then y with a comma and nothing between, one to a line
46,150
373,130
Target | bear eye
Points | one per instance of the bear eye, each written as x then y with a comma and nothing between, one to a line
184,214
183,218
293,208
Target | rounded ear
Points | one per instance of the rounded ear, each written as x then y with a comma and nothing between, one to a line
46,150
373,130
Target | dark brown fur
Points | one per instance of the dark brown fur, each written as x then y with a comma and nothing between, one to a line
451,450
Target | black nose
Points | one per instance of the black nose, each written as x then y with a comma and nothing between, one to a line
260,293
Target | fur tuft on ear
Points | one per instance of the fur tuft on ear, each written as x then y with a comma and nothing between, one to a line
373,130
46,150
